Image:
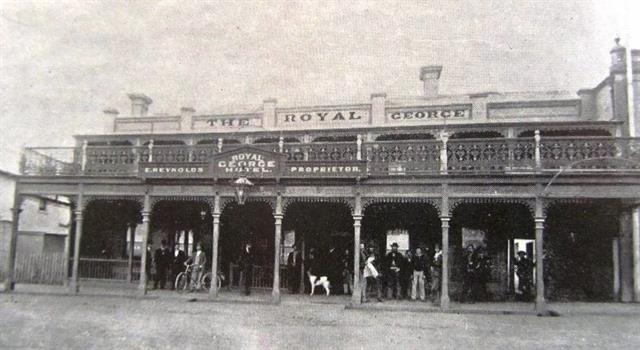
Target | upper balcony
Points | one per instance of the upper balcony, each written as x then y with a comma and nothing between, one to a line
378,159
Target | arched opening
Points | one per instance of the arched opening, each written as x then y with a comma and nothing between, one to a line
578,248
276,140
405,137
568,133
337,138
182,226
415,228
252,223
165,142
107,241
322,232
489,134
484,241
110,143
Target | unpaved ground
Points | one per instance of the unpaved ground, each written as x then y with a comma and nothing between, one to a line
90,322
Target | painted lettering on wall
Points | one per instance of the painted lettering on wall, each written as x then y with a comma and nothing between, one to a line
229,122
428,114
347,116
247,162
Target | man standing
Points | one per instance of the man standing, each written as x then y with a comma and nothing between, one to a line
198,263
436,275
161,258
246,264
394,263
293,270
420,266
371,276
524,271
469,274
179,257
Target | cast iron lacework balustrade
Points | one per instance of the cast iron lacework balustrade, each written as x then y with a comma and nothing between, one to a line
402,157
105,160
559,152
383,158
490,155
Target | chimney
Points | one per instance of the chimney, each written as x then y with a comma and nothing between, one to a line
110,115
139,104
269,113
430,76
186,118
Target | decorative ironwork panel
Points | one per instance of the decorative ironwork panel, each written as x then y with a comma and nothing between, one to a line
404,157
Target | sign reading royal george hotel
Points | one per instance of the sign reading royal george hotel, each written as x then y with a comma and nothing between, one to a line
251,162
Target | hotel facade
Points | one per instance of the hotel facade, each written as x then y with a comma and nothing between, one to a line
555,174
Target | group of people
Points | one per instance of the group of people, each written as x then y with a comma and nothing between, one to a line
413,275
166,265
476,273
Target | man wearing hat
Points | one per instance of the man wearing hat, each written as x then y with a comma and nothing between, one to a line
394,264
293,269
524,271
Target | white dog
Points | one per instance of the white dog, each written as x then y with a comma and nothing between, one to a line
322,281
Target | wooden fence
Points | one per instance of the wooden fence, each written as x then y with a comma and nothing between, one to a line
40,268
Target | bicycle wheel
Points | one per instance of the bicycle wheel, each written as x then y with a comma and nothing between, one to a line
219,281
182,282
205,281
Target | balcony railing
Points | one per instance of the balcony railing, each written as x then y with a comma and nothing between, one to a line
382,158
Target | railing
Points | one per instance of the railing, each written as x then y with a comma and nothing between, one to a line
490,155
383,158
107,269
402,157
262,277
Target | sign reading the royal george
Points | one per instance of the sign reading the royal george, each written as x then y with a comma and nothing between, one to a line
247,161
230,121
325,169
169,170
324,118
428,114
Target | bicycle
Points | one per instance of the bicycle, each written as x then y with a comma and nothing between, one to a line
183,280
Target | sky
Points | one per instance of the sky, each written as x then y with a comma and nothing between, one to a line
62,63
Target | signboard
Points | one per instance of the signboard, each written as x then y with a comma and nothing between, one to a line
428,114
398,236
475,237
173,170
325,169
218,122
247,161
323,118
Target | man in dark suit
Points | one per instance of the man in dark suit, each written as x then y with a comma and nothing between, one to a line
162,260
394,264
246,264
293,270
179,257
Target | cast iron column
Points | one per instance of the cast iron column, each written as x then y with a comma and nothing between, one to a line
541,304
444,298
276,259
132,237
9,282
213,291
74,286
356,296
635,244
142,286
